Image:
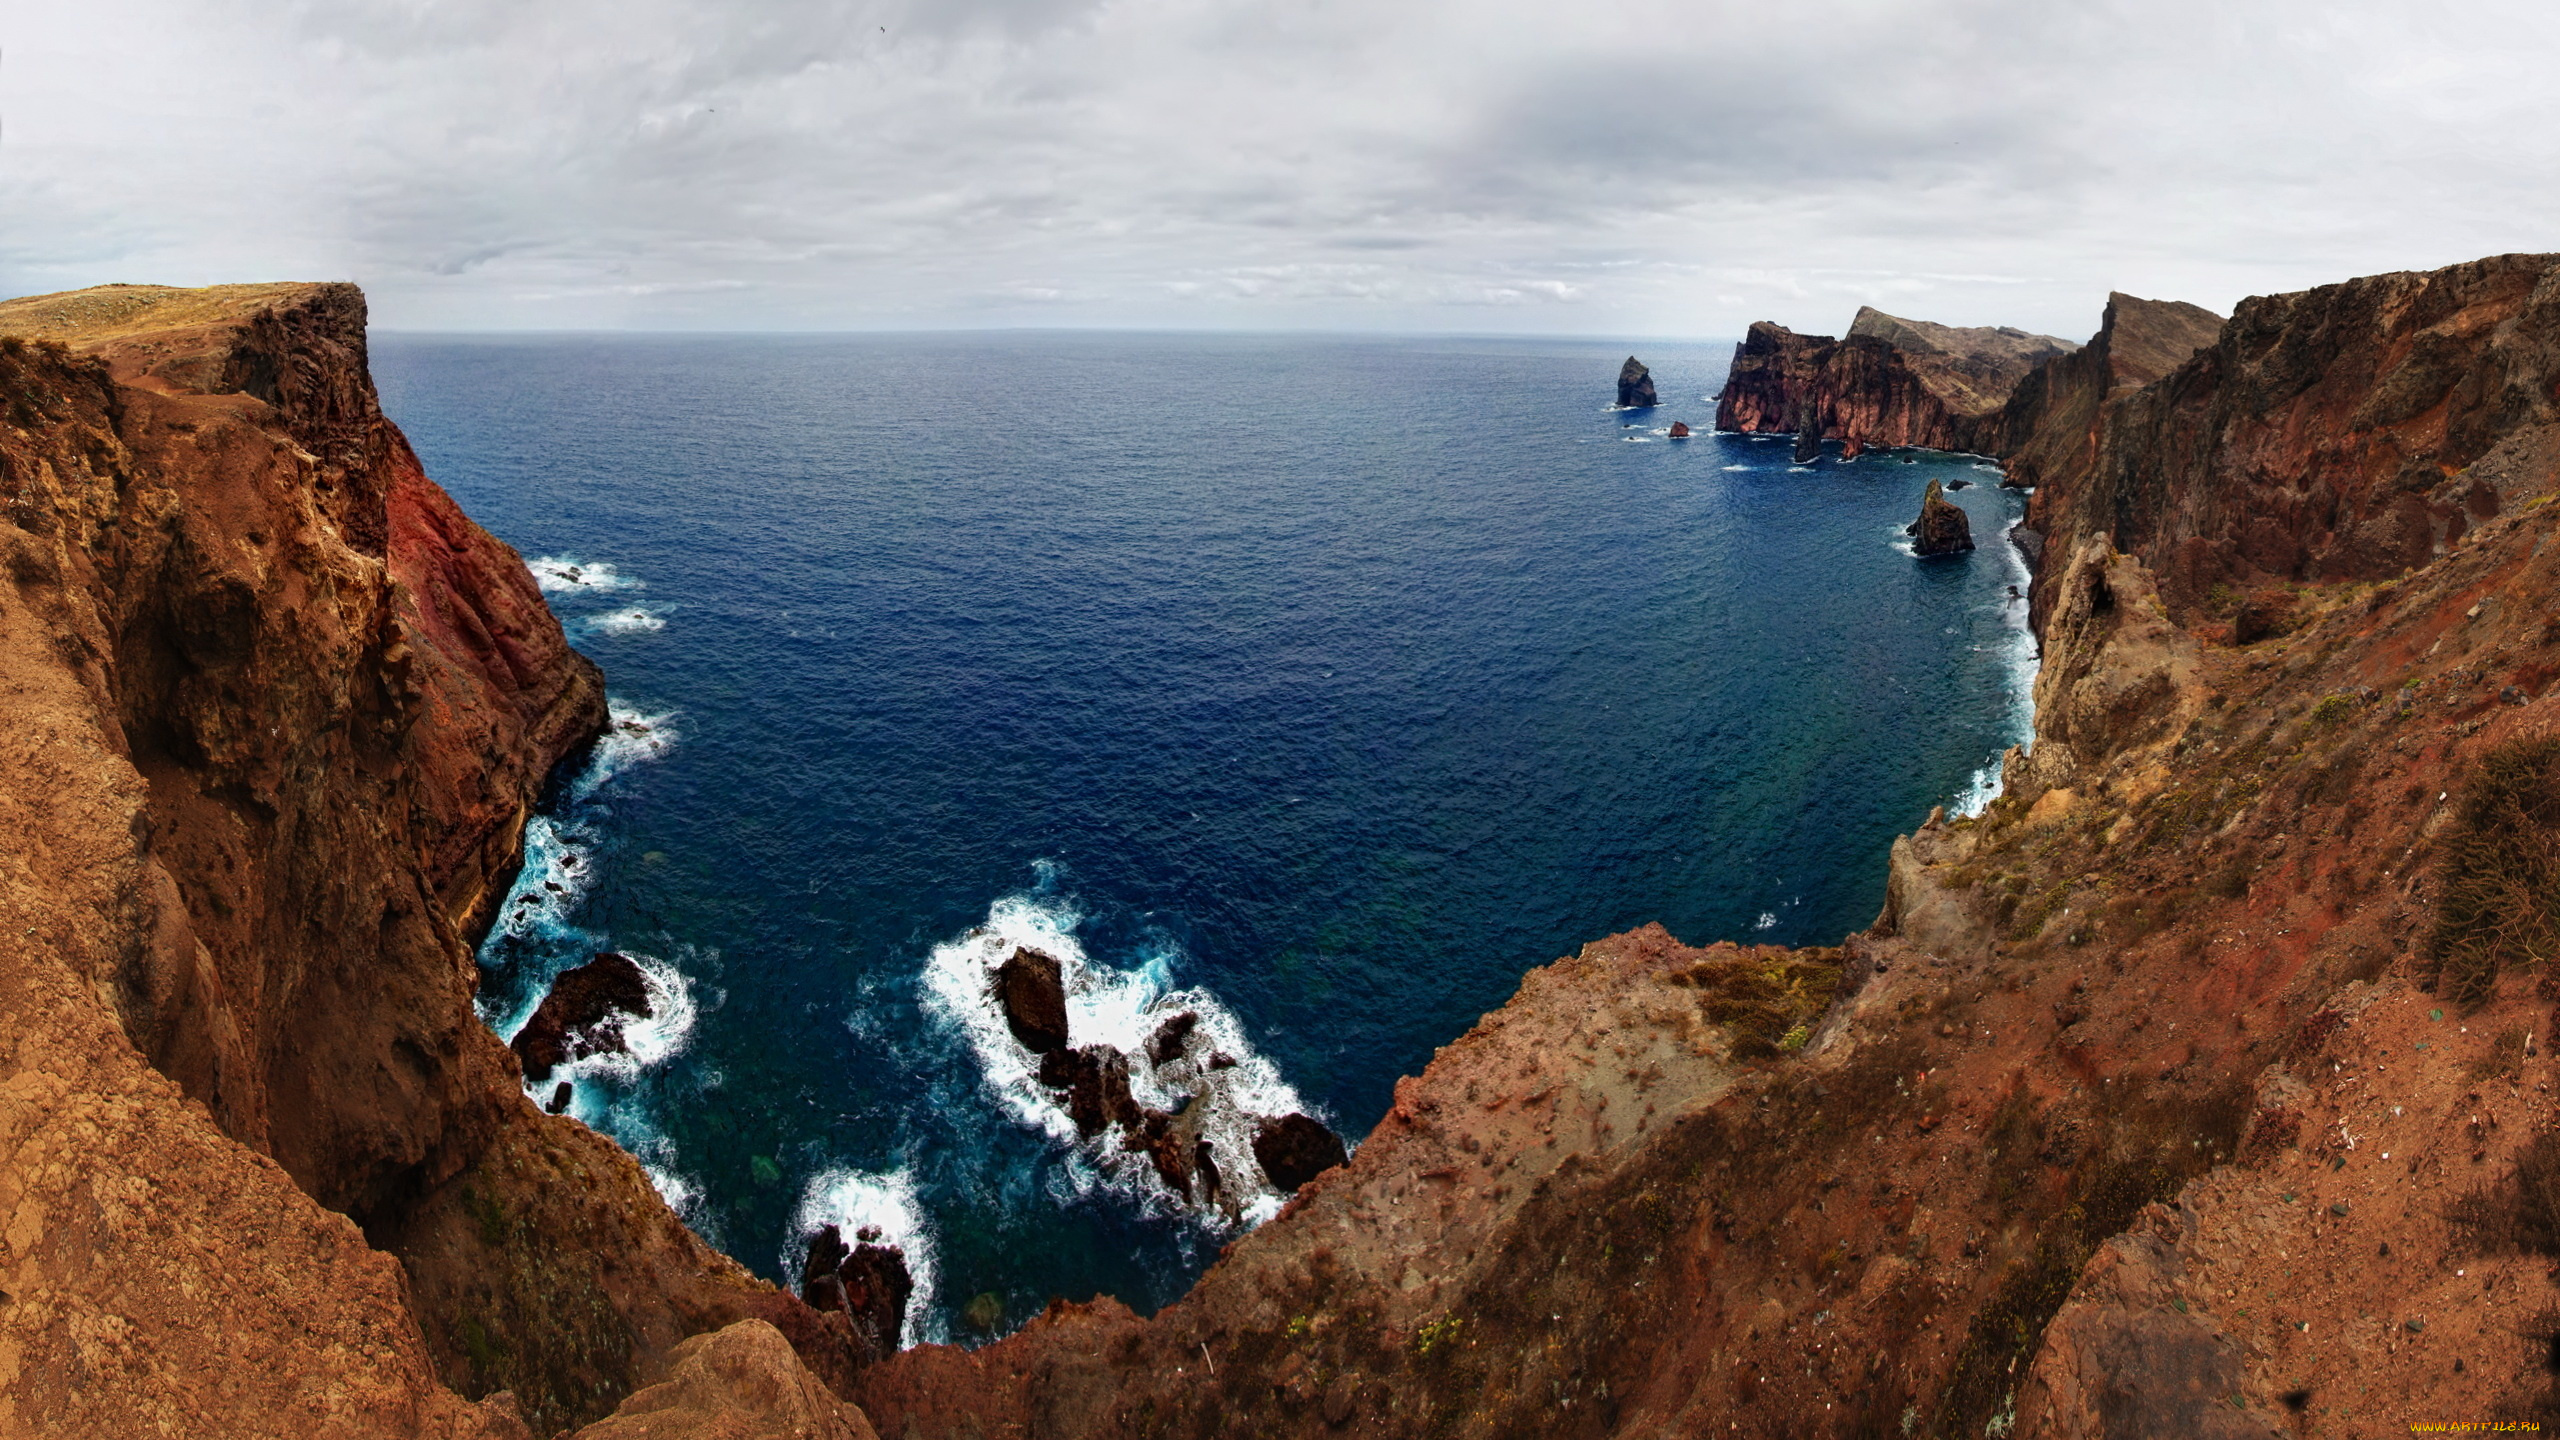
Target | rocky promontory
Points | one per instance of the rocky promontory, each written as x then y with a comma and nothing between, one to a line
1889,381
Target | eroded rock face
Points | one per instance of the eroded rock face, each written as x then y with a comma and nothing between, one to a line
2050,421
1943,528
583,1014
1635,385
290,708
1889,381
1033,994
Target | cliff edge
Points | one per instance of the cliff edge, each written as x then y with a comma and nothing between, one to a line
278,714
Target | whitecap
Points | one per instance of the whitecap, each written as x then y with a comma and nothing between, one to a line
631,620
2020,657
1738,467
853,1201
1121,1008
1768,921
568,575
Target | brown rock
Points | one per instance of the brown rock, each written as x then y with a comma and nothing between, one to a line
1032,991
1166,1044
582,1015
1679,429
1096,1079
1295,1149
1635,385
738,1383
1943,528
1889,382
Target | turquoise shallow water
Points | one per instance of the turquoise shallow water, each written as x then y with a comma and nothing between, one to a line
1331,683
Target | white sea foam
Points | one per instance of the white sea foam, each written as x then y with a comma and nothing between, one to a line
2018,643
1738,467
568,575
1121,1008
630,620
1768,921
647,1040
853,1202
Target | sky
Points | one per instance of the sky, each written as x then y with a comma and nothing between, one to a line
1619,169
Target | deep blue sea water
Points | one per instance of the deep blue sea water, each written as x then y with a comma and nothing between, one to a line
1323,684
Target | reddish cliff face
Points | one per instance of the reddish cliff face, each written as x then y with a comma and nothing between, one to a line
2050,421
2200,1087
279,715
2349,432
1888,382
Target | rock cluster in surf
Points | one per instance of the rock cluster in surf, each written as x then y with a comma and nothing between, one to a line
867,1282
1091,1083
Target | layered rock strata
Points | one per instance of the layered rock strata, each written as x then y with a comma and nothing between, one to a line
1889,381
279,713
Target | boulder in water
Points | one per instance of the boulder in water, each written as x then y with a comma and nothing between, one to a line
1942,528
1295,1149
1808,444
1166,1045
1096,1079
1679,429
583,1015
1635,385
1032,991
1852,448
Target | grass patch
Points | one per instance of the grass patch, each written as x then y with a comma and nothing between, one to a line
1765,997
2499,877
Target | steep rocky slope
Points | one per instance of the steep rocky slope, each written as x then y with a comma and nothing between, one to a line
277,714
2049,424
2199,1087
1889,381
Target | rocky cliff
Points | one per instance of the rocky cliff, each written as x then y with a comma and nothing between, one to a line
2199,1087
1889,381
278,712
2049,424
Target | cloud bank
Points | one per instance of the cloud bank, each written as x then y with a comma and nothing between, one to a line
1640,168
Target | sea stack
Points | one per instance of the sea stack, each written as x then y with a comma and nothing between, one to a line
1635,385
1942,528
1679,429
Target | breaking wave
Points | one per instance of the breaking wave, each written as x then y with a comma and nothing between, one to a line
2018,657
568,575
631,620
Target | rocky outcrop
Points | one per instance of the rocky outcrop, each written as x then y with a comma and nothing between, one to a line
1635,386
2050,421
2352,432
1294,1149
1943,528
582,1014
867,1282
739,1383
1032,992
279,713
1889,381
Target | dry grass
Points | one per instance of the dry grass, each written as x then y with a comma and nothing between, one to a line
2499,874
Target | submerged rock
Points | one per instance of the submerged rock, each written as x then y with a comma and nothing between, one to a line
583,1014
1032,991
1295,1149
1943,528
1635,385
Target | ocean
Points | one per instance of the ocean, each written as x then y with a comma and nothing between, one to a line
1317,686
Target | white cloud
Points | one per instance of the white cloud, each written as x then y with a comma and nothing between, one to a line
1641,167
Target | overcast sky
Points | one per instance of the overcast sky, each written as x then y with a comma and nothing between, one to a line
1622,168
